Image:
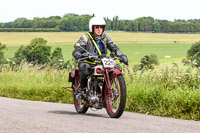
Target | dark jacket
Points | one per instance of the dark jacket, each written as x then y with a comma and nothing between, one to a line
86,42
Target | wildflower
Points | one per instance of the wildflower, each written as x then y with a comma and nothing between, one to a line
8,60
194,63
13,63
178,77
174,81
60,60
187,73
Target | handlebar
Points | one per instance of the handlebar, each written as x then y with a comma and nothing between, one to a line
99,59
90,57
82,59
94,58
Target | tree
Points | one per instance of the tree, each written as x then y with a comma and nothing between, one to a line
108,24
74,23
54,17
165,25
115,23
145,23
6,25
37,51
70,14
156,26
22,23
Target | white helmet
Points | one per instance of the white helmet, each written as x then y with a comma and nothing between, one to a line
96,21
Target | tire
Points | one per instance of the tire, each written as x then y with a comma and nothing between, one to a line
79,104
115,96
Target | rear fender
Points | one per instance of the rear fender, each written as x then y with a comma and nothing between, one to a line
74,73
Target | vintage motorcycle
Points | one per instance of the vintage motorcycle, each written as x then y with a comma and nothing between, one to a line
105,87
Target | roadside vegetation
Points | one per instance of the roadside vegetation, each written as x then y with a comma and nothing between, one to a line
169,92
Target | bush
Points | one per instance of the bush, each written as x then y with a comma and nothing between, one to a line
148,61
193,55
2,59
154,59
57,53
19,56
57,60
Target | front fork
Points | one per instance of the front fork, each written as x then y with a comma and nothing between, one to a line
107,79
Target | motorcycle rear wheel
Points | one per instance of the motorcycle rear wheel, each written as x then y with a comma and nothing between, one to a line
115,96
79,104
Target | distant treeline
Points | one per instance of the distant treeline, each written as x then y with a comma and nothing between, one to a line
74,22
29,30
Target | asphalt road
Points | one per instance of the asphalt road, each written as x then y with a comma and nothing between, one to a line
22,116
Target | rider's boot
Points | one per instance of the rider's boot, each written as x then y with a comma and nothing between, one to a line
82,90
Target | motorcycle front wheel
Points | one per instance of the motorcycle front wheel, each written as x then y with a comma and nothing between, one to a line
79,104
115,96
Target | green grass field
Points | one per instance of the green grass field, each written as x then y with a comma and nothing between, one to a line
134,45
64,38
135,52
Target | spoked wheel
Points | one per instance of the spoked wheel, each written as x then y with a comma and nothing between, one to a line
79,104
115,96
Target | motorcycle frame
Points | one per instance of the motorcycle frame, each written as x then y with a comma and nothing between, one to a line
75,72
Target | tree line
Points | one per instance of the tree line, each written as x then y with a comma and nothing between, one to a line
74,22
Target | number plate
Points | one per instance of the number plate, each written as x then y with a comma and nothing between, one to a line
108,63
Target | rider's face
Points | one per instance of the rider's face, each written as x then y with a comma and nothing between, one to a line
98,29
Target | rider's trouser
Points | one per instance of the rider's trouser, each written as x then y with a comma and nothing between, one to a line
84,72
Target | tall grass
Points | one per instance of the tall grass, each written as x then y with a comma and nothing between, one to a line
171,92
34,83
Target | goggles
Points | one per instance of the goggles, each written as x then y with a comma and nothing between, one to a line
99,26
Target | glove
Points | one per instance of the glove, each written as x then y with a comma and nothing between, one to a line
84,55
124,59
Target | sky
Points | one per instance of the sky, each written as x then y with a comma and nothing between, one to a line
10,10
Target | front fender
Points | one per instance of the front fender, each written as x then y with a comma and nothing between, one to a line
117,71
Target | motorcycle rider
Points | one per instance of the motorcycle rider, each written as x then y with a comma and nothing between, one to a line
95,42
